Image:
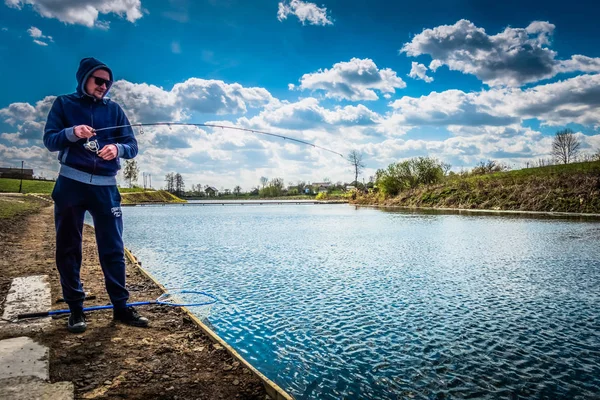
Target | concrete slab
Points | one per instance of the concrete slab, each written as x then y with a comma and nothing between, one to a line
26,295
22,357
29,389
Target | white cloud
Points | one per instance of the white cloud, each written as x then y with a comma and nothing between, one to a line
307,114
82,12
176,47
434,65
305,11
38,36
34,32
149,103
354,80
146,103
513,57
218,97
102,25
419,71
575,100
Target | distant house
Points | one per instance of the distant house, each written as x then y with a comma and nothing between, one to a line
16,173
321,187
350,188
211,191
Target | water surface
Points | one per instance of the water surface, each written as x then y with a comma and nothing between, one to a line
334,302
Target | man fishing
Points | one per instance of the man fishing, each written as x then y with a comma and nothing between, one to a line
87,182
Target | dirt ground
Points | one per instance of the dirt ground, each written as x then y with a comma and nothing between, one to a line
172,359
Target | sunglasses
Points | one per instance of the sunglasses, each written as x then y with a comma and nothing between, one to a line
101,81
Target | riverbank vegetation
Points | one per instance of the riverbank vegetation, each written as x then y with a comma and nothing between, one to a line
425,182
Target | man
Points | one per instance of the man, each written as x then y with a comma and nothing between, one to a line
87,182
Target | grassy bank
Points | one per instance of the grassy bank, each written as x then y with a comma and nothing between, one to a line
13,206
155,196
558,188
129,195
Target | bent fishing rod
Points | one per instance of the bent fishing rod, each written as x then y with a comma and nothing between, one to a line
93,145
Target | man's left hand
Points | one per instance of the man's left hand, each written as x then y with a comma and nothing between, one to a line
108,152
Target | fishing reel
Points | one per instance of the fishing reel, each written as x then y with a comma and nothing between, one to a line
92,145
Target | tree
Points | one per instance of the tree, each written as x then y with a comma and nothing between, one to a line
131,171
237,190
565,146
263,181
179,185
170,182
409,174
356,160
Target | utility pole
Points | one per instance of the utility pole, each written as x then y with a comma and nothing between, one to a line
21,184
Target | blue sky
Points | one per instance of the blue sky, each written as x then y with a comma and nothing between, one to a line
463,81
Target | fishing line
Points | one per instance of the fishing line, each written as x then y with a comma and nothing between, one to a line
93,145
181,298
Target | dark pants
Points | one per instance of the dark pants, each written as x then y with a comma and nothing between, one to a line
71,200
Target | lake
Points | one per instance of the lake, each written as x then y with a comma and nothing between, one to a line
334,301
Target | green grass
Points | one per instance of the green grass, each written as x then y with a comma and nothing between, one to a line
8,185
14,206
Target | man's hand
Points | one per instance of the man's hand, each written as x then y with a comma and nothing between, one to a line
108,152
83,131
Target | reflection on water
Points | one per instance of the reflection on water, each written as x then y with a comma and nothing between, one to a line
333,301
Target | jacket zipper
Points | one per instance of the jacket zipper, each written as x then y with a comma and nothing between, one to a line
94,169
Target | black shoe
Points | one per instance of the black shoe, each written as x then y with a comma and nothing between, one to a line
76,322
129,316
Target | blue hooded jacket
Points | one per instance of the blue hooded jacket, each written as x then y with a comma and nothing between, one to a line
80,108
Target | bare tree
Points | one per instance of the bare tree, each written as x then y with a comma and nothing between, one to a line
264,180
170,181
237,190
565,146
356,160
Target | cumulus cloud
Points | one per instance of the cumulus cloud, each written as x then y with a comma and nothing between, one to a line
307,114
149,103
451,107
82,12
575,100
305,11
513,57
354,80
218,97
419,71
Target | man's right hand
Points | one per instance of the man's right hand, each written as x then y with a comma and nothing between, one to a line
84,131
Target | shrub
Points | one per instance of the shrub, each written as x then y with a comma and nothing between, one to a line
409,174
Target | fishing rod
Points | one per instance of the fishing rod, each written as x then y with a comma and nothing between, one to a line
93,145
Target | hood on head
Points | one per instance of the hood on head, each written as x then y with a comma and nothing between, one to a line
86,67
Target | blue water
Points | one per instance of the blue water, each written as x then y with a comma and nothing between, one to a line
331,302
